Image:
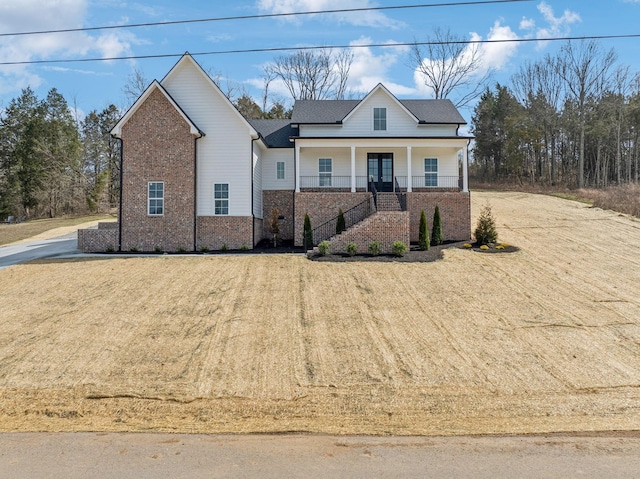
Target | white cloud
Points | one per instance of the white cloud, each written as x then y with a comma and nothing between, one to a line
362,18
553,26
46,15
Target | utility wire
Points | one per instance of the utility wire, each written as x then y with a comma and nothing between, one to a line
266,15
328,47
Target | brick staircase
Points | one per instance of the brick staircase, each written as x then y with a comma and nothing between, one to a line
388,201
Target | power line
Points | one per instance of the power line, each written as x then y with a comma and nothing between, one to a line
328,47
266,15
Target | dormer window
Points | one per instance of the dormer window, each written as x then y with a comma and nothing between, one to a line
379,119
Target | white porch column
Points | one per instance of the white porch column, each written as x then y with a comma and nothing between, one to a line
353,169
465,169
297,169
409,177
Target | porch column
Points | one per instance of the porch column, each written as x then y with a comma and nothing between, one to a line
409,177
353,169
297,169
465,168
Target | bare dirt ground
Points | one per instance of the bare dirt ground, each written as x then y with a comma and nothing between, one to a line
545,339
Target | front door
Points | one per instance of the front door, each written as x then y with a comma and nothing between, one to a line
380,170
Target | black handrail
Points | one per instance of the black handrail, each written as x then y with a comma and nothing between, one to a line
352,216
374,192
402,197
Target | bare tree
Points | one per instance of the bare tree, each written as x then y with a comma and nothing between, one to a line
313,75
449,65
585,69
134,87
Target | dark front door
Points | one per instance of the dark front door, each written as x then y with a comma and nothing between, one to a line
380,170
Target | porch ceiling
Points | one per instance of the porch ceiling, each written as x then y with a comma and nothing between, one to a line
457,142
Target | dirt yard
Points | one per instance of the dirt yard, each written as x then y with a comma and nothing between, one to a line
545,339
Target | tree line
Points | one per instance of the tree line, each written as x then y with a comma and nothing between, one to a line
569,119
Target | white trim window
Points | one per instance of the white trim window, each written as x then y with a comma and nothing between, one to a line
221,199
431,172
379,119
280,170
155,198
325,170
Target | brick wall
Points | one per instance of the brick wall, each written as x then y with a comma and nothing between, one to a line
455,213
108,225
321,207
257,230
157,146
283,200
98,240
215,231
384,227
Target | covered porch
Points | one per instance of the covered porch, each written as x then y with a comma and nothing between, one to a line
396,165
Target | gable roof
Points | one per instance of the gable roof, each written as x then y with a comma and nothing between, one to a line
328,112
275,133
187,58
116,131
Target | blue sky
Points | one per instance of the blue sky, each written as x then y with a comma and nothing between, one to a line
94,85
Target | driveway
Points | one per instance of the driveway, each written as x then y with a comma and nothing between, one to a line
48,248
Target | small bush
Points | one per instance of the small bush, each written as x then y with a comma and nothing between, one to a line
423,232
324,247
225,247
110,249
204,249
484,247
486,228
307,235
182,249
351,248
375,248
398,248
133,249
158,249
340,223
500,246
244,247
467,245
436,235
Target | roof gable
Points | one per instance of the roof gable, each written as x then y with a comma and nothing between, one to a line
116,131
188,60
379,88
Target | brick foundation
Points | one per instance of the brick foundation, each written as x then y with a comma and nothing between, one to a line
98,240
321,207
384,227
455,213
213,232
283,200
157,145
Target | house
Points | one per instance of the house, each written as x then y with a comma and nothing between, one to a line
197,175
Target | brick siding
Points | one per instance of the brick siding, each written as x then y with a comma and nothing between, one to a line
157,146
384,227
321,207
283,200
98,240
213,232
455,213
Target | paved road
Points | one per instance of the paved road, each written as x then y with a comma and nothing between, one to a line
62,245
140,456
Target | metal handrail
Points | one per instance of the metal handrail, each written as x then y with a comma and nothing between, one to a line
402,197
352,216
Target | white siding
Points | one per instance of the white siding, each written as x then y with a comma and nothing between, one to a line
224,153
269,159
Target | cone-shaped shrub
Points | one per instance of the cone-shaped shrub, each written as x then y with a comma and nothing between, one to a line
307,235
436,234
340,224
486,228
423,233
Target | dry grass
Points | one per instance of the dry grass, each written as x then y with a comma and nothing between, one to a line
48,227
624,199
546,339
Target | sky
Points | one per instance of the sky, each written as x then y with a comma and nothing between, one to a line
96,84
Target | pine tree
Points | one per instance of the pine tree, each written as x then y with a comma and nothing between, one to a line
423,232
436,235
486,228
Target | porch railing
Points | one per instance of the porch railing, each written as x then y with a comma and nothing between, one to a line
429,181
352,216
402,197
332,181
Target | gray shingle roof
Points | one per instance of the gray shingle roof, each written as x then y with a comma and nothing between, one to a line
275,133
333,111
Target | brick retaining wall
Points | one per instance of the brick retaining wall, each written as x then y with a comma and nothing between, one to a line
98,240
384,227
455,213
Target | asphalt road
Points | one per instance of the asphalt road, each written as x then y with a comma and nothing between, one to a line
62,245
140,456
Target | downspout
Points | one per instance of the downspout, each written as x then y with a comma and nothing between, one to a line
294,191
253,216
195,193
120,202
